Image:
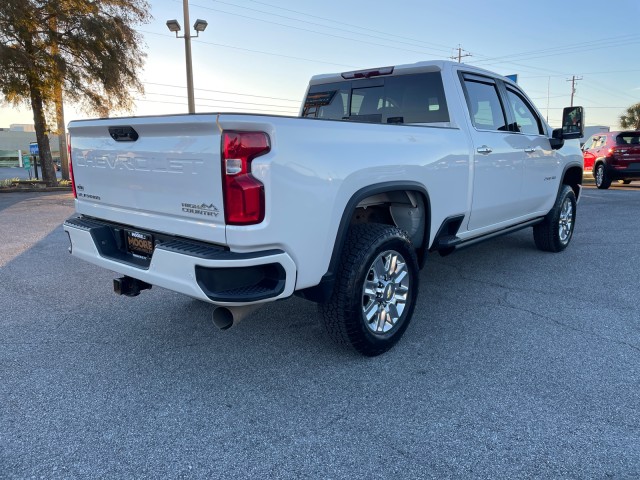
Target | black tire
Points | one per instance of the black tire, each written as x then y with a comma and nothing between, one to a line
602,178
392,289
554,233
626,182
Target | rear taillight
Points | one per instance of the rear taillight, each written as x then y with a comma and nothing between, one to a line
243,194
73,183
613,156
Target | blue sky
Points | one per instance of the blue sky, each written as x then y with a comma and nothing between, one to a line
257,55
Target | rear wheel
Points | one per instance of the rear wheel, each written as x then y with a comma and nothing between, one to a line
554,233
376,289
602,179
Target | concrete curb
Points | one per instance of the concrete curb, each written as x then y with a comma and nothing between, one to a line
34,189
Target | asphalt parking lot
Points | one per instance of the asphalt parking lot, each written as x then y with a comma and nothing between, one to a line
518,364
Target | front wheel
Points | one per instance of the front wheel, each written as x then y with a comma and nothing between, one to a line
602,179
554,233
375,291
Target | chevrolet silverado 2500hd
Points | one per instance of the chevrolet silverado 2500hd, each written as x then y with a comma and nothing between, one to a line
340,206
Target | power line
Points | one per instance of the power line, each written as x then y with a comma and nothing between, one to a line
211,106
575,48
333,21
611,91
222,91
224,101
604,72
256,51
312,31
590,45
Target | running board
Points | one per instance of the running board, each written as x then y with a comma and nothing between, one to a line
447,243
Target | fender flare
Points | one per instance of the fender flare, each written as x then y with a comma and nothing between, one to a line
566,168
321,292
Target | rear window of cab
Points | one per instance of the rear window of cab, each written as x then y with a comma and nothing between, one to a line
402,99
628,138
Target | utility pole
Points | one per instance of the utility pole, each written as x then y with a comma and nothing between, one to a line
573,81
460,55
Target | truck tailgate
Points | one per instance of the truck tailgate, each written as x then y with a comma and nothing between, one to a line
156,173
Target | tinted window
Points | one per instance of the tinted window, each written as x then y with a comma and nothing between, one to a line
368,102
327,101
628,138
485,107
415,98
526,119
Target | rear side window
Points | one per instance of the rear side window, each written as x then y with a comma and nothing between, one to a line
417,98
327,101
628,138
485,107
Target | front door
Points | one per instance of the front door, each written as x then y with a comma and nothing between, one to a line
498,161
541,163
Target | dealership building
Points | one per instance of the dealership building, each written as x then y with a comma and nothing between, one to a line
15,140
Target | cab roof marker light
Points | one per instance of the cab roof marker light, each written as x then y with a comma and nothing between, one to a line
374,72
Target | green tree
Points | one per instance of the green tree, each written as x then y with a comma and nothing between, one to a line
631,118
89,47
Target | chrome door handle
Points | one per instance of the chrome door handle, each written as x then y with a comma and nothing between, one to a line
484,150
529,150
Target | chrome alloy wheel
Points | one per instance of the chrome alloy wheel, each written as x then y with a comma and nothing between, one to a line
565,222
385,292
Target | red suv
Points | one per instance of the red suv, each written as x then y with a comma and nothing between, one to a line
613,156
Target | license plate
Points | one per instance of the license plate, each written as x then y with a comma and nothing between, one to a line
139,243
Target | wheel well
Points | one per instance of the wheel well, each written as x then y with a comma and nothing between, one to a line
404,205
573,178
405,209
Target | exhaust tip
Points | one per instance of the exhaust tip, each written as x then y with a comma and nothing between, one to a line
222,318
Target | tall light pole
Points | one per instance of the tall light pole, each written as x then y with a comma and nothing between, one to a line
198,26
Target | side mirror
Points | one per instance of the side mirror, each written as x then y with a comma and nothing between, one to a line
572,123
572,127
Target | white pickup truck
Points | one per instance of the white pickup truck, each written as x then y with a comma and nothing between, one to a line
341,206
